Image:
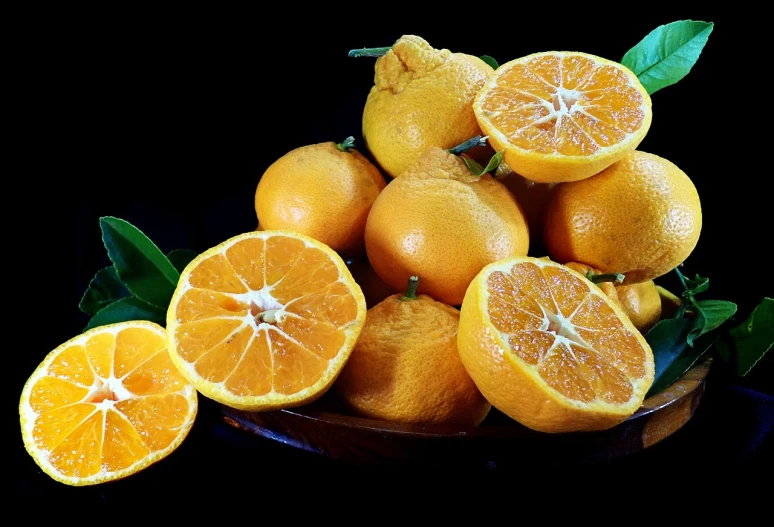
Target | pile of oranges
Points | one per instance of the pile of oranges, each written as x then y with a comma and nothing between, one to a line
418,285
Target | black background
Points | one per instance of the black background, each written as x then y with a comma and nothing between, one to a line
168,120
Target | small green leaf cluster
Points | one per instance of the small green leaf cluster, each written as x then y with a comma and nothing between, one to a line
141,281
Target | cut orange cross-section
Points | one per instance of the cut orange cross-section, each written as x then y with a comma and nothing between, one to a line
265,320
106,404
548,348
563,116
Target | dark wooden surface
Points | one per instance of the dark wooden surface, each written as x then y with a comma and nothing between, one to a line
324,427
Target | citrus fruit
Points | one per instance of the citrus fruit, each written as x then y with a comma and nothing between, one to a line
642,304
551,350
670,302
106,404
640,217
563,116
440,222
421,97
323,191
264,320
405,366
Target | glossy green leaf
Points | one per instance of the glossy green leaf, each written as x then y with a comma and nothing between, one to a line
140,265
667,53
671,353
129,308
491,61
696,285
105,288
710,314
181,257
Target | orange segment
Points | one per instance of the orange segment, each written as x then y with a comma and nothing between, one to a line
563,116
548,348
106,404
264,320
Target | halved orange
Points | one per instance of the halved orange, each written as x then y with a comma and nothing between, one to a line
106,404
563,116
265,320
548,348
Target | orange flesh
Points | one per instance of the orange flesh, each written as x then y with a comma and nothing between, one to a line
569,336
569,105
264,316
109,403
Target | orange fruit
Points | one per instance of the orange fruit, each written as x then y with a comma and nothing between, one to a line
440,222
641,217
323,191
106,404
551,350
670,302
641,303
264,320
405,366
421,97
563,116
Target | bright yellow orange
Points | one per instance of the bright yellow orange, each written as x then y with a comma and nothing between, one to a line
563,116
440,222
421,97
323,191
641,217
641,303
264,320
106,404
551,350
405,366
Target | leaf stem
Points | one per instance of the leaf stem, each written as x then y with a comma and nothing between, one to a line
598,278
467,145
682,278
411,289
368,52
346,144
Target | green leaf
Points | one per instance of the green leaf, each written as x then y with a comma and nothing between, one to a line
710,314
667,53
490,60
671,353
181,257
478,170
749,341
129,308
697,284
105,288
140,265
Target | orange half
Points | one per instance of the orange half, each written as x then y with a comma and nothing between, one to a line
106,404
548,348
265,320
563,116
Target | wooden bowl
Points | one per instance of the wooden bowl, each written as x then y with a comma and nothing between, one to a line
325,427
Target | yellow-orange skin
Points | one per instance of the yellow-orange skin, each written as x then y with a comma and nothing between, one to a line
440,222
551,167
321,192
531,195
405,366
421,97
641,303
514,389
641,217
607,287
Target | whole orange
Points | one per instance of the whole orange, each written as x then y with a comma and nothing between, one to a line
421,97
323,191
640,217
405,366
442,223
607,287
531,195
